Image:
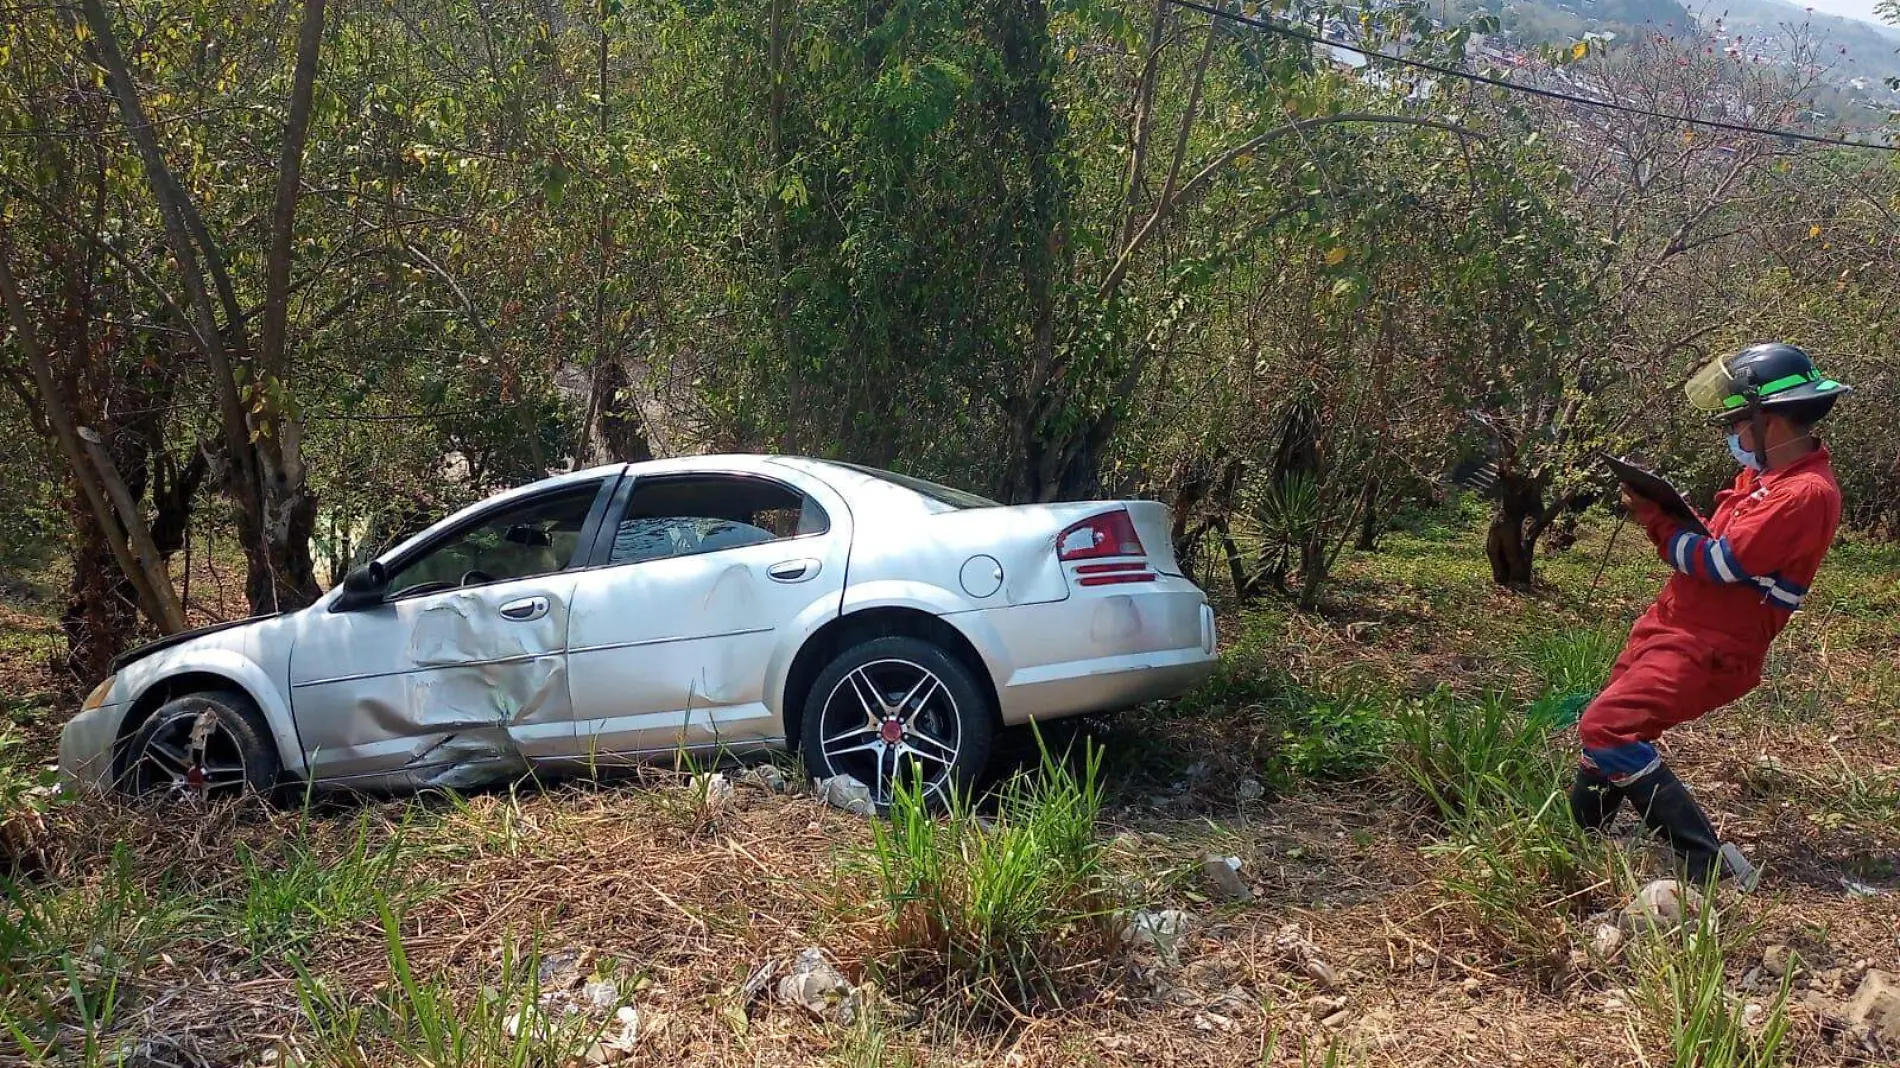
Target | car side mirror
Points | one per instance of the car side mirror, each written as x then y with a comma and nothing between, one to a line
362,587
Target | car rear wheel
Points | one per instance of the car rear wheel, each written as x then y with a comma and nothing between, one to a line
892,710
202,745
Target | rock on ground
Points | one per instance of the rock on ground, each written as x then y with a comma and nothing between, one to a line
767,777
1293,947
1877,1005
1160,929
1665,905
1777,960
1223,878
847,793
819,988
1606,943
715,789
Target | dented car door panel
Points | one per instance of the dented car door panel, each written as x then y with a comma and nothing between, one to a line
441,689
459,676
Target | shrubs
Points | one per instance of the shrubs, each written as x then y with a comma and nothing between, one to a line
1335,739
998,905
1570,666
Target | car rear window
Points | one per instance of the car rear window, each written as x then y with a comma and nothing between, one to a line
944,495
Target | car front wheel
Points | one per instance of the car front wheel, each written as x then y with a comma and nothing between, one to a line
202,745
894,710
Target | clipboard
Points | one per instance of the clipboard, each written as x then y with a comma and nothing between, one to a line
1656,489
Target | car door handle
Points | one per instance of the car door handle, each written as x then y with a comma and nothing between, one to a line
526,610
793,570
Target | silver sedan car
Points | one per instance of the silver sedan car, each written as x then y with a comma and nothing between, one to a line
881,626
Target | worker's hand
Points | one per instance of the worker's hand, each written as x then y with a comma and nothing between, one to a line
1642,508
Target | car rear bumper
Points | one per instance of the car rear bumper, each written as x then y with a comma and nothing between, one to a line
1102,652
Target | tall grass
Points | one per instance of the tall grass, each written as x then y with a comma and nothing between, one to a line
64,951
1681,989
1496,785
440,1020
1270,726
1571,660
997,905
1571,666
289,896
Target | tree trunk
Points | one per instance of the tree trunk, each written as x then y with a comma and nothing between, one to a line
1516,523
143,568
615,431
1368,517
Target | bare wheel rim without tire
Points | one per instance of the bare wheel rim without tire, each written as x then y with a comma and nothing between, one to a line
886,722
192,754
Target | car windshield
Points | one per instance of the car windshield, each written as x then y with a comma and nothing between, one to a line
943,495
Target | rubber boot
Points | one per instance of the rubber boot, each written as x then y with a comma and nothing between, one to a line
1668,810
1594,800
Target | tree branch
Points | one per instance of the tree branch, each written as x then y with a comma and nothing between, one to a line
1165,208
283,215
173,205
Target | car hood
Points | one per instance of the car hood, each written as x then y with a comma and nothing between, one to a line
132,655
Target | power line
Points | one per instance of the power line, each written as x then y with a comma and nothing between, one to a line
1518,87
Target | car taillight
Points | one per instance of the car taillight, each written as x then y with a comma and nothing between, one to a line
1108,534
1101,536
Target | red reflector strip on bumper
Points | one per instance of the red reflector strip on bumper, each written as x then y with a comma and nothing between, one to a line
1116,578
1098,569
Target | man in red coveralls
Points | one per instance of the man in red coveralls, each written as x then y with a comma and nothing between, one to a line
1701,644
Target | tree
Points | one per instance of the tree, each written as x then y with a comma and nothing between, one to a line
262,448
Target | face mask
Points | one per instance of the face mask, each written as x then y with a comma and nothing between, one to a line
1742,456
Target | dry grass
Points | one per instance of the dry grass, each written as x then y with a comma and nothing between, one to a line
146,910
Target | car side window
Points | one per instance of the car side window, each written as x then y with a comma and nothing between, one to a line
535,537
684,516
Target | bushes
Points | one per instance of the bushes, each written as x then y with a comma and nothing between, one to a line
1272,727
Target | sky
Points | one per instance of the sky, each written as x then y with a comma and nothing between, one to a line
1853,9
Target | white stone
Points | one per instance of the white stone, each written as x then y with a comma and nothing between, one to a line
847,793
767,777
601,994
1664,905
715,790
1778,960
818,988
1606,942
1160,929
1876,1005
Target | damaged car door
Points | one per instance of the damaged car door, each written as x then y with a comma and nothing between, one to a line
701,579
456,674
